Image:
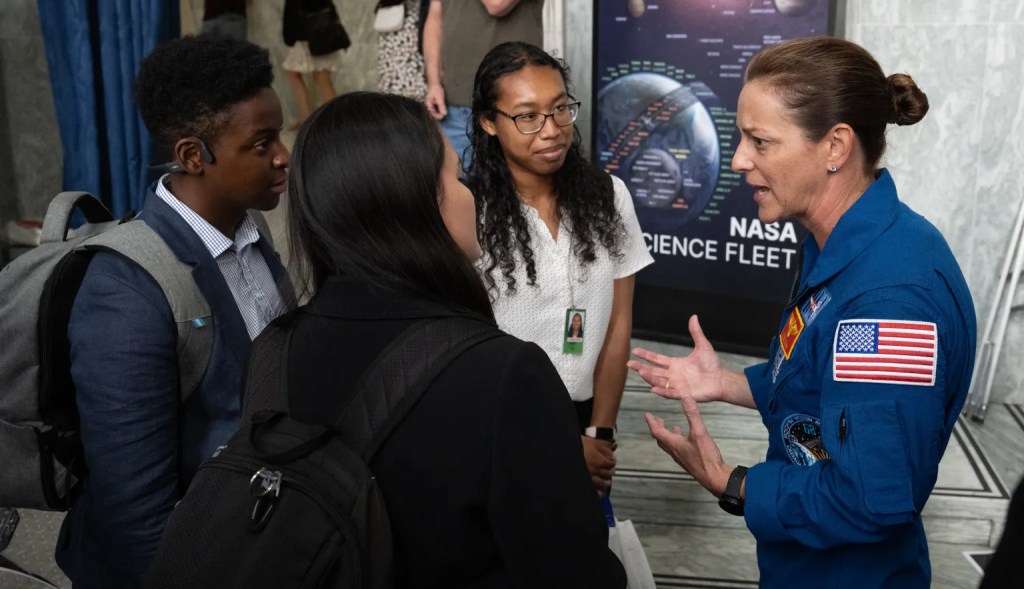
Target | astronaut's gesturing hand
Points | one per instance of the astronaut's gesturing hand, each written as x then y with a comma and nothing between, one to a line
697,452
699,375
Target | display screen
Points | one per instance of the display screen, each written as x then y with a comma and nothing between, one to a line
667,77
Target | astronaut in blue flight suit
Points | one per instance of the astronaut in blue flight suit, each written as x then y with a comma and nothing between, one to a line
875,349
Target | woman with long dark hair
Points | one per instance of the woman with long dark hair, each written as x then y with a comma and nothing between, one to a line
481,491
558,234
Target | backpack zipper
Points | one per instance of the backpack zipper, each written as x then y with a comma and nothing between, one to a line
288,478
301,484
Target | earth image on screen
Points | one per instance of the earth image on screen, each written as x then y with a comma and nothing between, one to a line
656,134
795,7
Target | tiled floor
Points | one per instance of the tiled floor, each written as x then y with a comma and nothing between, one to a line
689,541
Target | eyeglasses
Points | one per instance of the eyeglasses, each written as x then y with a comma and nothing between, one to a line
529,123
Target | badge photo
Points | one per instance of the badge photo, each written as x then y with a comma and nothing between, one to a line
575,321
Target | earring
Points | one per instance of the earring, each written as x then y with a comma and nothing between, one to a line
833,169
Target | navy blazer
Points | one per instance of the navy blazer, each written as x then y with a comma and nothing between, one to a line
142,447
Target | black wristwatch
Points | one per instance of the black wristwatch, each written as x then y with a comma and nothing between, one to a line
600,433
730,499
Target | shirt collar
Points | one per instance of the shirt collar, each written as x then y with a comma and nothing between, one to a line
533,217
216,242
859,226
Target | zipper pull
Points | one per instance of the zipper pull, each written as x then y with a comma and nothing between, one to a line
842,426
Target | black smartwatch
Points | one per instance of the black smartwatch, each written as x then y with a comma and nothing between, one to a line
600,433
730,499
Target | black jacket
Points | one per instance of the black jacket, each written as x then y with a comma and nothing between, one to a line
1003,571
294,20
484,480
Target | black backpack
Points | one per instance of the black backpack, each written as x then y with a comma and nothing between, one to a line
286,504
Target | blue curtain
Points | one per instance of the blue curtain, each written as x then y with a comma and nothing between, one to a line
93,49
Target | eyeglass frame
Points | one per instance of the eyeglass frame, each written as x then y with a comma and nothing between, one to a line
546,116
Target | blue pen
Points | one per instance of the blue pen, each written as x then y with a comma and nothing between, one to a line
606,503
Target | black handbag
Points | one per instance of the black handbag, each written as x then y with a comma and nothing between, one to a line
324,31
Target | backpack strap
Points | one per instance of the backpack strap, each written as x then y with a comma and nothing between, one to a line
266,379
58,214
138,242
385,393
396,380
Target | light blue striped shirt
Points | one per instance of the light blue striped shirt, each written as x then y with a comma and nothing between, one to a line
240,261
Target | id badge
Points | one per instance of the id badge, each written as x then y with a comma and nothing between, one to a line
572,332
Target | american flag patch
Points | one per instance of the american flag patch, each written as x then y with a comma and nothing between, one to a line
885,351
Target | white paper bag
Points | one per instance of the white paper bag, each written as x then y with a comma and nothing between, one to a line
389,18
624,542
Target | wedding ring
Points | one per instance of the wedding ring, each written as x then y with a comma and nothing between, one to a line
668,383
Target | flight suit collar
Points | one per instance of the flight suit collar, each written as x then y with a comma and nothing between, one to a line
873,213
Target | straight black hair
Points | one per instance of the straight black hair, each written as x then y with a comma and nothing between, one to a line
363,192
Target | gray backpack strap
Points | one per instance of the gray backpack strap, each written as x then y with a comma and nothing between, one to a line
58,216
139,243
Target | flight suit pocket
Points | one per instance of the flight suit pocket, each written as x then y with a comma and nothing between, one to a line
876,442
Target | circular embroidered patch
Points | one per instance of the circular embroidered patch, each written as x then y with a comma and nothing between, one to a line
801,435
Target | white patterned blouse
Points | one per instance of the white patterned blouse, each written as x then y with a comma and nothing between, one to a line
538,312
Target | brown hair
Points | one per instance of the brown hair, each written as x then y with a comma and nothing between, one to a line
824,81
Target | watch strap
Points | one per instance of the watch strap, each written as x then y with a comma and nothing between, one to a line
731,501
732,488
600,433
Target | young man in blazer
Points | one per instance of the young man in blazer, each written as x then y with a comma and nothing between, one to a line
209,104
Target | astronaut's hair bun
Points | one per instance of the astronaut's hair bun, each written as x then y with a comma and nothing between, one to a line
909,103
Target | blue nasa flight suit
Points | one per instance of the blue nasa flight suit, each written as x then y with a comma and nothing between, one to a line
860,412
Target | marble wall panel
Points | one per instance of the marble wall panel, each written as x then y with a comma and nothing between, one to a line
30,121
875,11
20,18
554,27
934,162
999,190
1007,11
1008,386
947,12
579,26
8,199
30,153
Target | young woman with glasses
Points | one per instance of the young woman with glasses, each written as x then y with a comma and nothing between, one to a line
559,235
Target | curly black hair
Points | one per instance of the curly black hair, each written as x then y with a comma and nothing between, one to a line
584,192
185,87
